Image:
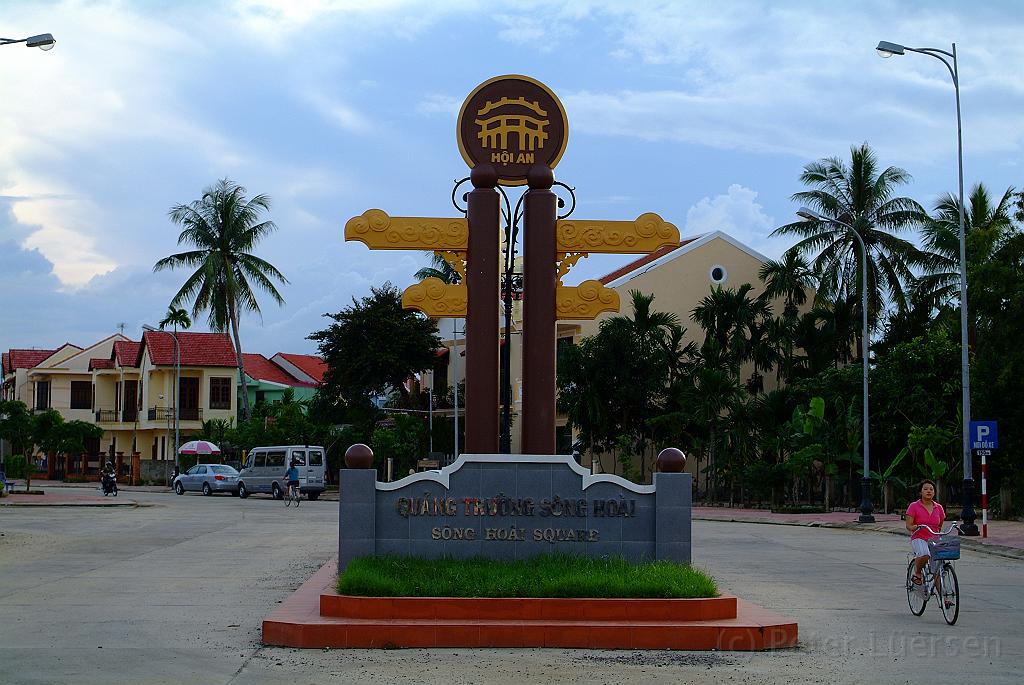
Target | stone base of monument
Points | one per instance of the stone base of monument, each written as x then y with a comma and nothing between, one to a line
316,616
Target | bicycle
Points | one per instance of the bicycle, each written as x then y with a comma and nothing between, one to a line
938,578
292,495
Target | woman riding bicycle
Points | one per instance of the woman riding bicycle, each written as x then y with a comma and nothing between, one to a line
292,478
924,512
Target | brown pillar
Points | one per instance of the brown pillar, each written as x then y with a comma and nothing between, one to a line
136,465
51,466
539,280
482,313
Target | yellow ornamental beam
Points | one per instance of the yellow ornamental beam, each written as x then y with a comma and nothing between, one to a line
584,301
379,231
436,299
645,235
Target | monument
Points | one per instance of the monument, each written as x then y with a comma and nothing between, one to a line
511,131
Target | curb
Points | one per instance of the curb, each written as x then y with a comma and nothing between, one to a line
124,503
968,542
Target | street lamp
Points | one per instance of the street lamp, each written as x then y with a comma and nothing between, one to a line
865,488
887,49
44,41
177,385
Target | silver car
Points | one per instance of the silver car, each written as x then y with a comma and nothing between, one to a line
208,479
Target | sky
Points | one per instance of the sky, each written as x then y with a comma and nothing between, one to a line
704,112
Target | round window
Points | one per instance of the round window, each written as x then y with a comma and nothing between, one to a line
718,274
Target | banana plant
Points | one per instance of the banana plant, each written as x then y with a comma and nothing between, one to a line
885,478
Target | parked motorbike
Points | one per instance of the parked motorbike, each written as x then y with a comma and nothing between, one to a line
109,483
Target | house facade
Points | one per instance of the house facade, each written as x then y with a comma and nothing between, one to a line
267,380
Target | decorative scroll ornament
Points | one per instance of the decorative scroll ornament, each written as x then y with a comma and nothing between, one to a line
645,235
584,301
378,231
437,299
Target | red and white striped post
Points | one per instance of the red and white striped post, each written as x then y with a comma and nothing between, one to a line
984,494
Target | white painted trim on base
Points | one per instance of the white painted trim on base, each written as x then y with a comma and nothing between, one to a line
442,477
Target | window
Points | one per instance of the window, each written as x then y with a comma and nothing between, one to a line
718,274
192,471
220,393
81,395
275,458
42,394
299,457
316,458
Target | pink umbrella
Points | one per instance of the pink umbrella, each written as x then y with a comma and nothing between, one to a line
198,447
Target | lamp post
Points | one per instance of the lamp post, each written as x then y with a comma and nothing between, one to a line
177,386
44,41
887,49
865,487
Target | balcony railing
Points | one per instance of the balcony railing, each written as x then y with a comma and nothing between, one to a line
106,416
160,413
167,414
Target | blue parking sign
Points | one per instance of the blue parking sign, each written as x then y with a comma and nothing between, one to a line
984,435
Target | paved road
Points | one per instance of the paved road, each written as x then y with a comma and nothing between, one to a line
174,592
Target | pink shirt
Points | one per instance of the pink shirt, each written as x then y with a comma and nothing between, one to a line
921,517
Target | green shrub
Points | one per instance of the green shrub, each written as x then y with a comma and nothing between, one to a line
16,466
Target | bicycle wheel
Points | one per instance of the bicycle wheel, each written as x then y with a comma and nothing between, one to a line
950,599
917,597
298,497
288,497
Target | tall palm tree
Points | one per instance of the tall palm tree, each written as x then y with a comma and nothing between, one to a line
224,227
789,279
862,197
176,316
984,224
439,268
728,318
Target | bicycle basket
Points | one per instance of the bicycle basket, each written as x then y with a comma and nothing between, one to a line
945,548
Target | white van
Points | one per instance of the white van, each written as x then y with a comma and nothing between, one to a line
264,468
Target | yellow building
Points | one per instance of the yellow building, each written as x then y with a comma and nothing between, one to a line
135,390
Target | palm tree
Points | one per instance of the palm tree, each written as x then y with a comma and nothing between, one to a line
984,224
176,316
728,318
224,227
862,197
440,269
789,279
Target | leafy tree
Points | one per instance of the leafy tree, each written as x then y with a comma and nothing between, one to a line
372,348
402,438
224,227
16,425
862,197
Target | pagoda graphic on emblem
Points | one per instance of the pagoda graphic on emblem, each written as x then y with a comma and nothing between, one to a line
507,119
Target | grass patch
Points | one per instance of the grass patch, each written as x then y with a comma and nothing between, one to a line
539,576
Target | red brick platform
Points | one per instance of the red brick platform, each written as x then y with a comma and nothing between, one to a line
315,616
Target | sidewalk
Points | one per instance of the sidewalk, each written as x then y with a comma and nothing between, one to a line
1005,538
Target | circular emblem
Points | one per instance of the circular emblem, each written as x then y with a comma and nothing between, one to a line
512,122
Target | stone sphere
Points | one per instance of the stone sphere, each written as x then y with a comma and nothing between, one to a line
484,175
359,456
671,460
540,177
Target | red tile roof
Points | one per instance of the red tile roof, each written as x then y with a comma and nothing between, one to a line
26,359
197,349
643,261
3,365
260,368
310,364
126,353
100,363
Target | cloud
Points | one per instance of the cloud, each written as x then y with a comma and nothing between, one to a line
737,213
439,104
